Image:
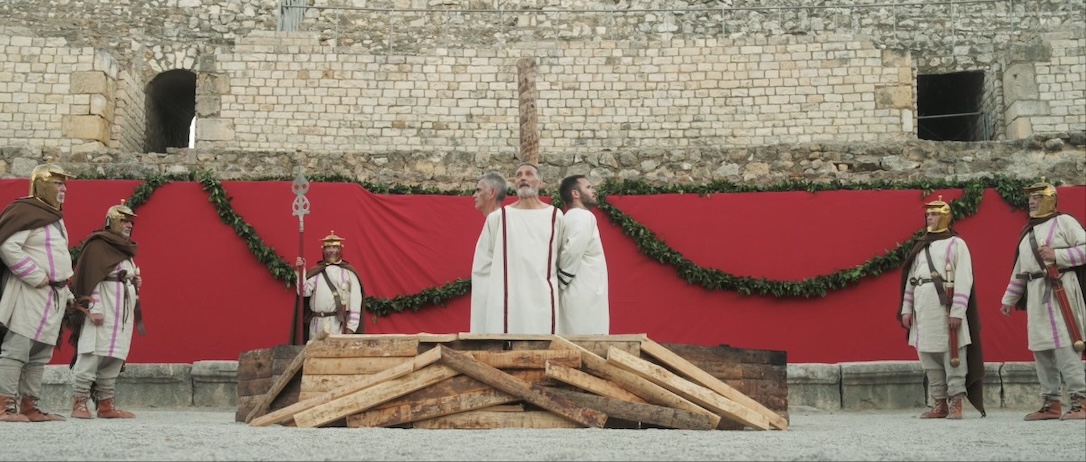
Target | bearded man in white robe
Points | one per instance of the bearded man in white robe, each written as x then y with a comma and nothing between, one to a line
582,266
522,239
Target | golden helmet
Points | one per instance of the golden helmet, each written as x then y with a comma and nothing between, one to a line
1047,199
331,240
945,218
45,181
116,216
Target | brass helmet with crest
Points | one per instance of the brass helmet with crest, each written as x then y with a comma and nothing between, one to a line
45,181
116,216
332,240
1046,198
945,216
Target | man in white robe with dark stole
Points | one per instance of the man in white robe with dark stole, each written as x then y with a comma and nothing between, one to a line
582,267
522,239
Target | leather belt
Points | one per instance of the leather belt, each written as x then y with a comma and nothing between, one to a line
918,281
324,315
116,279
58,284
1037,274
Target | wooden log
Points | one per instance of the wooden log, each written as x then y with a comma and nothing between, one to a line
365,345
591,383
255,364
481,420
349,366
692,391
529,131
464,363
697,375
372,396
640,412
252,387
648,391
429,408
288,375
405,368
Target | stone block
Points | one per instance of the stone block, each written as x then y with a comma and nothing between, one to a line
1021,390
1019,129
1027,108
1020,82
214,129
208,106
85,127
155,385
993,386
101,106
882,385
895,97
814,385
89,82
214,383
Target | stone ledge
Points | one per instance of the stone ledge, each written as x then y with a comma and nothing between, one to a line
842,386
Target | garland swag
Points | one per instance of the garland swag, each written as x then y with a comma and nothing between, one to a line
1009,189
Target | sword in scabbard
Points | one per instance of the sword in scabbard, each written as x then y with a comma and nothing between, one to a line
137,309
955,360
1052,274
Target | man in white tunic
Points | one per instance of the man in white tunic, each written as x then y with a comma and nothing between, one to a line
582,267
334,290
105,286
489,194
37,265
939,310
1051,239
523,239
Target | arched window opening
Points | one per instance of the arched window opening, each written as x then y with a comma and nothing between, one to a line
171,108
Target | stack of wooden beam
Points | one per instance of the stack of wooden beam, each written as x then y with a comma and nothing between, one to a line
503,381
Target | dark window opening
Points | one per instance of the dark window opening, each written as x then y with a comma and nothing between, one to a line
949,107
171,105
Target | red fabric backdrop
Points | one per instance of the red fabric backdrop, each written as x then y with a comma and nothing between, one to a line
206,297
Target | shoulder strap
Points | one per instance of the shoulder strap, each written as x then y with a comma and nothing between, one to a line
333,288
1035,249
936,278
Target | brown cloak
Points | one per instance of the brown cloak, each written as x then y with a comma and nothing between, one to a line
20,215
974,377
102,251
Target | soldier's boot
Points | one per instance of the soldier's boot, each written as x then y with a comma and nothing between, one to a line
954,408
79,408
938,411
28,406
1078,409
1049,410
8,412
106,410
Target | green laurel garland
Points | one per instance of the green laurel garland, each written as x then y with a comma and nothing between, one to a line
1009,189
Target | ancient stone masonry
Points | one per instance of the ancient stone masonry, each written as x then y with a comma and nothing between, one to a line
422,92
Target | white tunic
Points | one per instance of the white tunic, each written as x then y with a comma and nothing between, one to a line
32,257
480,274
930,332
116,302
1046,326
528,265
323,301
581,263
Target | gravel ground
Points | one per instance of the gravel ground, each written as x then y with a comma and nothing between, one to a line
212,434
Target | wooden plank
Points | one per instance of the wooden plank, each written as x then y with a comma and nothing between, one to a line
504,408
648,391
600,347
504,337
481,420
429,408
349,366
692,391
400,370
288,375
320,383
355,346
527,359
463,384
591,383
367,398
464,363
697,375
640,412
